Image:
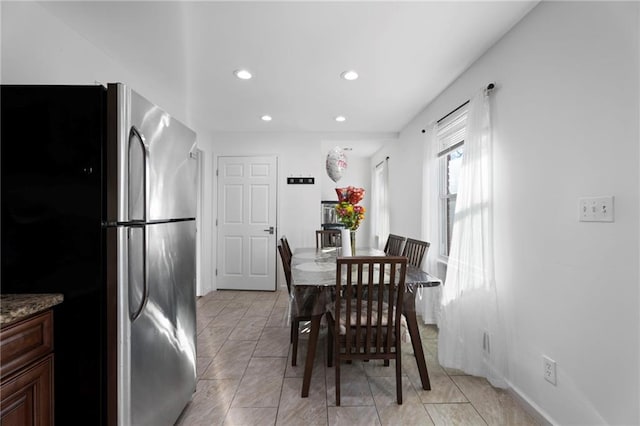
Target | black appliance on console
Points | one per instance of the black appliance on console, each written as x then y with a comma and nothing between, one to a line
329,219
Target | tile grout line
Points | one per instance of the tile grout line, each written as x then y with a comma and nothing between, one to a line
235,393
465,395
424,406
284,372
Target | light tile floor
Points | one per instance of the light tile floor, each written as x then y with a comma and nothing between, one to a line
245,377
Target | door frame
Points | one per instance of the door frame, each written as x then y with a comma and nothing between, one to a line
201,287
215,210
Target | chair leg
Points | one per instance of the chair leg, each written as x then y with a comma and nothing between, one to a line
330,348
398,377
294,354
337,381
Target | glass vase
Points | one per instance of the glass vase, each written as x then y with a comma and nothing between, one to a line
352,234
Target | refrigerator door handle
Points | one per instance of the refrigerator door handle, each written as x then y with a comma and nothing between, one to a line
139,196
145,275
134,133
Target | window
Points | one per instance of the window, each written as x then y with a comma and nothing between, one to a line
381,203
450,168
450,131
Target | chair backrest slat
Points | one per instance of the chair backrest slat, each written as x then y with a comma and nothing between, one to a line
390,312
286,265
415,251
285,245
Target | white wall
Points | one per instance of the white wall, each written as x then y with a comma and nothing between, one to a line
38,48
566,125
358,174
298,205
405,182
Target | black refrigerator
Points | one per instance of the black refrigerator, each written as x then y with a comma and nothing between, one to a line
98,203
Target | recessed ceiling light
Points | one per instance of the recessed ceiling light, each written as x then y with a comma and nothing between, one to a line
242,74
266,118
340,118
349,75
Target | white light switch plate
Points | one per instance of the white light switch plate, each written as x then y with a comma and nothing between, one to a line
596,209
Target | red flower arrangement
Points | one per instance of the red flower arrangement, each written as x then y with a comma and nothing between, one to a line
347,209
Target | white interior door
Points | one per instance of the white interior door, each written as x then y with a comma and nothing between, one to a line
246,255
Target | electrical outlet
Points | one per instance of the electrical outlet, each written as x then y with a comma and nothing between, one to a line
549,370
587,210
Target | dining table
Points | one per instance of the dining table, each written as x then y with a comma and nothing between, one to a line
313,277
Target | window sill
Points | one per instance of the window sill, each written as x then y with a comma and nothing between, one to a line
441,267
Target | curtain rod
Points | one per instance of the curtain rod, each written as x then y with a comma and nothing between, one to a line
490,86
377,165
445,116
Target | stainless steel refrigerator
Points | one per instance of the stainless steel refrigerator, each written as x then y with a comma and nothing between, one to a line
98,203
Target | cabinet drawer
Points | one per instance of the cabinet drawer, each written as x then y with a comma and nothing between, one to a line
25,341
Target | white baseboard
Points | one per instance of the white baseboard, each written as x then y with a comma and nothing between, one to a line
529,406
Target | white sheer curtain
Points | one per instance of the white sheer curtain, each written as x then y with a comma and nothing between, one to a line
428,299
381,202
471,336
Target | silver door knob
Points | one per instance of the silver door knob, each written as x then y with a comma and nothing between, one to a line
271,230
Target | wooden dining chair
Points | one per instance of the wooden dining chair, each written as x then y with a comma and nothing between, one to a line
393,247
415,250
328,238
286,265
297,313
285,245
365,320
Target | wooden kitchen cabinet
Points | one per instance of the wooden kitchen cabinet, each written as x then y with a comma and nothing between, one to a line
26,371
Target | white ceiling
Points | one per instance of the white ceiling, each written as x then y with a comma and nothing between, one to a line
405,52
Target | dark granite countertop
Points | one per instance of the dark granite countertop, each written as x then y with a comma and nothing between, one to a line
14,307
